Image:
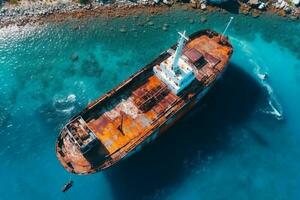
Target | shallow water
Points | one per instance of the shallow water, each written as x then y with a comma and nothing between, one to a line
240,143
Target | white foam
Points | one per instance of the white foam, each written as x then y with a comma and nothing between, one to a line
67,110
275,108
71,98
275,111
64,104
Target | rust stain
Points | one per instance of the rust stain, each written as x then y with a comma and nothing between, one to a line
126,116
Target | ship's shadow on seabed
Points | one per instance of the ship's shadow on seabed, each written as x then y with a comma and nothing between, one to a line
163,163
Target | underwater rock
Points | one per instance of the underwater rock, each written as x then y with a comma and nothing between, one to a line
191,21
76,28
74,57
203,19
123,30
165,27
148,19
90,67
4,117
150,23
71,69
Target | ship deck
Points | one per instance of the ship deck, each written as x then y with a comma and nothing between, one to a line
125,118
124,121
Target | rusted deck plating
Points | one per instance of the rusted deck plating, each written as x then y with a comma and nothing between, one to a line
115,124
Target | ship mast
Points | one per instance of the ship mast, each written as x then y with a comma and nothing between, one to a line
178,52
227,26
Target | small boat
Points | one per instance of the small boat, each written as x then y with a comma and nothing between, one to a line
263,76
67,186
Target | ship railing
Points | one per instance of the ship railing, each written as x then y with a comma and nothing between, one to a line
88,143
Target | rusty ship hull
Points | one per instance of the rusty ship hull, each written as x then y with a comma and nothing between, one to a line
142,107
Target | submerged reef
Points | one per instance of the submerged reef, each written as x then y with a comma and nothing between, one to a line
4,117
90,67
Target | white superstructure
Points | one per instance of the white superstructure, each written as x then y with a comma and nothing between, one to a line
175,71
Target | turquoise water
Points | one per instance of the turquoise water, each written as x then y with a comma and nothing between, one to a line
240,143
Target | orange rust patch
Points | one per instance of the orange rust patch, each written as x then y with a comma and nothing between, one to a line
129,117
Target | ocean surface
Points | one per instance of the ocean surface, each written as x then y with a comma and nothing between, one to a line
241,142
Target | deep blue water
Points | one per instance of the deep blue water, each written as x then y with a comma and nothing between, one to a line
242,142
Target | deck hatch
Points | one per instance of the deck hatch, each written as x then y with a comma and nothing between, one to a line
149,98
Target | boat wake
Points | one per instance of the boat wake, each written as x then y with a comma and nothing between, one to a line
64,104
274,108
